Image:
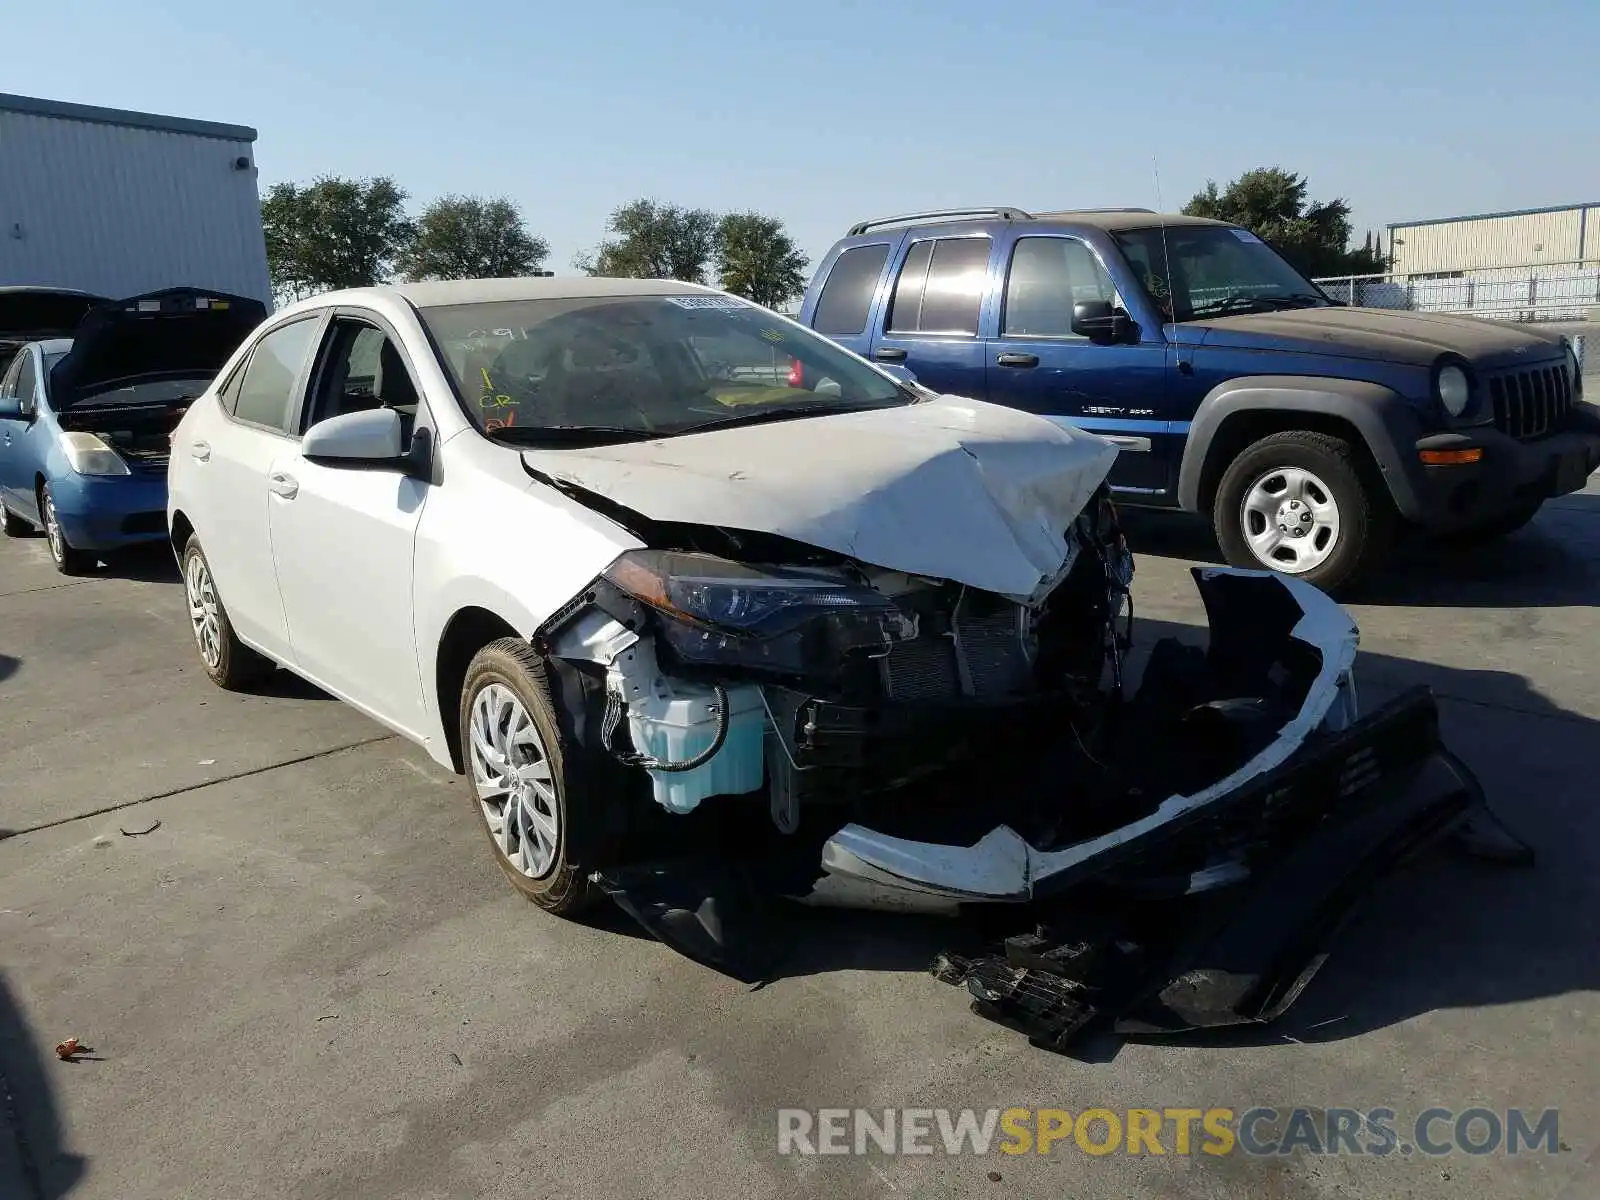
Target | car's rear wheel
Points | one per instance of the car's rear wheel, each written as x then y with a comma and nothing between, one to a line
228,662
12,525
1300,503
68,559
529,787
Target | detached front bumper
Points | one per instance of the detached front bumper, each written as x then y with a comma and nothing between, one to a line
1509,475
1003,866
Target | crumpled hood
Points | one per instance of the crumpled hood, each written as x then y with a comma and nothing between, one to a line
950,488
1373,334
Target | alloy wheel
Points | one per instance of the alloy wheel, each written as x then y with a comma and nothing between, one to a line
512,775
52,530
204,611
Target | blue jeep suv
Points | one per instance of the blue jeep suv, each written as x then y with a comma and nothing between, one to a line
1311,433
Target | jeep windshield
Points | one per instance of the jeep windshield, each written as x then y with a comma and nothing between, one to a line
598,369
1195,271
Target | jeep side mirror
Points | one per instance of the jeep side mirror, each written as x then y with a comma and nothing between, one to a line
1099,322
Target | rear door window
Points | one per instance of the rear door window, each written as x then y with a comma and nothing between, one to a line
266,393
941,286
847,294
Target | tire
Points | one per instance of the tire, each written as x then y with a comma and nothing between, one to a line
228,662
1503,525
1341,510
12,525
506,694
68,559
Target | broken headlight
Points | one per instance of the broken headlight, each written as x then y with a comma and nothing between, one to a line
790,620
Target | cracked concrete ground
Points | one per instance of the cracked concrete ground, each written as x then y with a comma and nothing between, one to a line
310,980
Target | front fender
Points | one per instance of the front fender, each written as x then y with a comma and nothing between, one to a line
1387,424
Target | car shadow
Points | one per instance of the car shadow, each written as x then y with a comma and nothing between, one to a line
1552,563
8,666
1443,932
29,1119
152,563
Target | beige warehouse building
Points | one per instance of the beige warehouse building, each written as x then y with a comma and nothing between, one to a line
1447,247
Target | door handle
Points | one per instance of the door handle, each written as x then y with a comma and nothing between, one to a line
1018,360
200,450
889,354
283,485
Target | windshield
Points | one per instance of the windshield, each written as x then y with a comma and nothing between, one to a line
1214,270
622,367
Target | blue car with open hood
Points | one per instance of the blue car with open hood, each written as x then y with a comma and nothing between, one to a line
91,391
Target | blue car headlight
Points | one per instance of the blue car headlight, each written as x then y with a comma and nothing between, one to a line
88,455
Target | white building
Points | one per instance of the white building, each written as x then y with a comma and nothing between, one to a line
120,203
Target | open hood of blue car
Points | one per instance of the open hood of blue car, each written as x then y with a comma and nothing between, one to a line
178,333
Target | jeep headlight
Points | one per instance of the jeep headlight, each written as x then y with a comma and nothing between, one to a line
88,455
1574,370
1454,390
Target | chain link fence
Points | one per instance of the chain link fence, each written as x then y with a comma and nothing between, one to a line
1543,292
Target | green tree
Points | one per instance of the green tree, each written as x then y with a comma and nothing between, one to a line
1272,204
333,233
651,240
469,237
758,260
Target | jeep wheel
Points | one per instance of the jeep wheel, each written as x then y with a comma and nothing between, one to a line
1300,503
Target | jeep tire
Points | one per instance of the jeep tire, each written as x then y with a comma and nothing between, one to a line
1305,504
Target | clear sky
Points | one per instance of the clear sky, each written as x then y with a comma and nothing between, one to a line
826,111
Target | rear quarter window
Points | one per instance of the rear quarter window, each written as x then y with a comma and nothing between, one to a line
847,293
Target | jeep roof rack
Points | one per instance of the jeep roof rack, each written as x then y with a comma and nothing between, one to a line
1004,212
1068,212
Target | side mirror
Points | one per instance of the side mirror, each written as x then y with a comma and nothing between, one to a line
11,409
369,440
1099,322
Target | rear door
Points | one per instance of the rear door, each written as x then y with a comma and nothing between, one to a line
934,309
230,448
1039,364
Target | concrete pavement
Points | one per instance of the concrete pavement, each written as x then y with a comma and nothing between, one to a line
311,981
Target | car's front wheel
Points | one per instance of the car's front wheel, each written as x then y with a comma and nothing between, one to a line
228,662
1299,502
529,787
68,559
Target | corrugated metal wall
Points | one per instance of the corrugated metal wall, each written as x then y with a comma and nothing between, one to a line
121,210
1546,237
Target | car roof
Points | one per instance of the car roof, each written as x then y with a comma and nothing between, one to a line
1111,220
438,293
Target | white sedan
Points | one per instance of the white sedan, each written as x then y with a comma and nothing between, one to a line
617,550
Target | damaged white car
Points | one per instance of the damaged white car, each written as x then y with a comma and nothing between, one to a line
671,579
